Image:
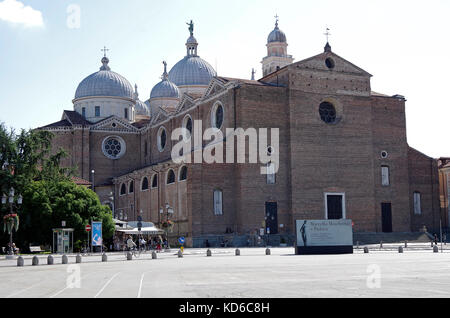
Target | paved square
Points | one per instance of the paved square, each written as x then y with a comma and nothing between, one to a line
416,273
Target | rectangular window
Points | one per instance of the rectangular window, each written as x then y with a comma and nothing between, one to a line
218,203
417,203
126,113
83,112
97,111
271,176
385,178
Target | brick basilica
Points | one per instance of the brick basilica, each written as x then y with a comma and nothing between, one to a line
343,150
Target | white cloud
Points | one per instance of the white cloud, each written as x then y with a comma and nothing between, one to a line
16,12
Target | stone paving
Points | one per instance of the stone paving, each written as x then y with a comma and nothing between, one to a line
418,272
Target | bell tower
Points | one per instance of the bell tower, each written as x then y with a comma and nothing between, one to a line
277,55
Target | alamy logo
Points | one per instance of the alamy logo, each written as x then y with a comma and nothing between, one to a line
211,146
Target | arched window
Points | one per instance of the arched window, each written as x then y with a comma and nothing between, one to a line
123,189
155,181
417,203
183,173
131,188
218,202
170,177
144,184
217,116
162,139
187,124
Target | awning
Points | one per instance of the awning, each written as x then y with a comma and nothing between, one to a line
144,230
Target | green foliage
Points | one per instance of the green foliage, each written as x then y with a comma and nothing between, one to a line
28,165
47,204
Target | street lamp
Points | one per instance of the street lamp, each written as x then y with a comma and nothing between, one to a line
169,211
11,218
111,198
93,180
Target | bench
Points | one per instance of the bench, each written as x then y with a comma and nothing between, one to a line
36,249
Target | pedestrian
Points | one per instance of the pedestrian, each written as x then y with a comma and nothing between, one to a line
207,244
435,239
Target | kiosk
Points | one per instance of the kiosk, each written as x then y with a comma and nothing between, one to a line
63,241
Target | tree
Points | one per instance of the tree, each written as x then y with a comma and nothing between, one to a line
48,203
28,165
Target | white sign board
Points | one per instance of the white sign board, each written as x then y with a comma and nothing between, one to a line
324,233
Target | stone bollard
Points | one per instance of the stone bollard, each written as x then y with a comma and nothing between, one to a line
436,249
78,259
154,255
180,254
50,260
104,258
268,252
381,244
20,261
65,259
400,250
238,252
208,253
366,250
129,256
35,261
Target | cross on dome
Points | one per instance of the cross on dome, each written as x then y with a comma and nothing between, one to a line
104,50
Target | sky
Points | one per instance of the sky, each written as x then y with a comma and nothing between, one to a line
48,47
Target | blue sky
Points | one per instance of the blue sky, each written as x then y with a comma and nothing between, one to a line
404,44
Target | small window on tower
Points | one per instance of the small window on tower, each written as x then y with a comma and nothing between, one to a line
83,112
97,111
126,113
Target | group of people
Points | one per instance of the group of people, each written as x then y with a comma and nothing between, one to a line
156,244
11,249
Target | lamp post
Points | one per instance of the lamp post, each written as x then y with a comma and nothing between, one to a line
11,218
93,180
169,211
111,198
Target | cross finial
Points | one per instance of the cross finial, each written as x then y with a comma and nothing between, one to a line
104,50
277,18
253,74
327,34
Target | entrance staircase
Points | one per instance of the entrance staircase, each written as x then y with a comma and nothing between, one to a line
376,238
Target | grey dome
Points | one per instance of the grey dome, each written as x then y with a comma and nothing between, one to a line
105,83
165,89
192,70
276,36
142,109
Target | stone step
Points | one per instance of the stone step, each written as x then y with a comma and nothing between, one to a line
376,238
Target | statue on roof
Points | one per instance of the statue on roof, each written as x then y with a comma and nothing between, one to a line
191,27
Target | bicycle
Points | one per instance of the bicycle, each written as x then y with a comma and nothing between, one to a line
134,251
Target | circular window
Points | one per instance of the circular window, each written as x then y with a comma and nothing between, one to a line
187,124
217,116
384,154
162,139
327,112
330,63
113,147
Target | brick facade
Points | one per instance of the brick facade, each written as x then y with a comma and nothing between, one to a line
316,159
